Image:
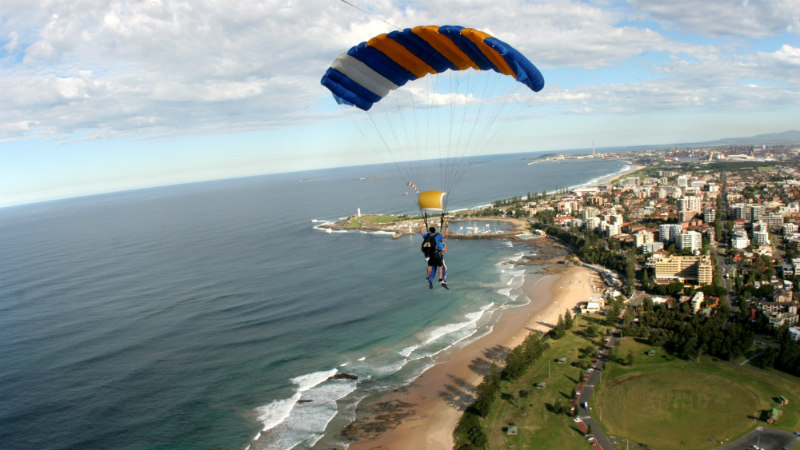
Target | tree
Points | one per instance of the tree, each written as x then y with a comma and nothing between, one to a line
560,330
469,434
630,274
559,407
568,320
613,313
486,392
645,280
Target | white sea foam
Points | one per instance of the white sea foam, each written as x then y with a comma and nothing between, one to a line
322,225
306,382
386,233
289,422
389,368
407,351
273,414
511,277
445,330
627,167
449,335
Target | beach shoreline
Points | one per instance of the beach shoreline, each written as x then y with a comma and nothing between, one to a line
424,414
616,176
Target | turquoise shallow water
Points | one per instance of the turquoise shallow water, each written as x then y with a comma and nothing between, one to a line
204,315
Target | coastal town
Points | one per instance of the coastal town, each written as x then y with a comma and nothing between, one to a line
700,217
693,256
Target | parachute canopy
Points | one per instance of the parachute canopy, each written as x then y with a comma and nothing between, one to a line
431,201
369,71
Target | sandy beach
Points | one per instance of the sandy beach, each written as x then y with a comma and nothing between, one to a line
425,415
620,175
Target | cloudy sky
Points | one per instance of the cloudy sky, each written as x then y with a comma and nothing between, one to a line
106,95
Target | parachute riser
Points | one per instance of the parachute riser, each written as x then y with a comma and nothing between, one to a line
442,223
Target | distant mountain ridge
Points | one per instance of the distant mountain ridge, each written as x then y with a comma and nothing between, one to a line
785,137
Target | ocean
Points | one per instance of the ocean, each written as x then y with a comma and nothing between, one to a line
213,315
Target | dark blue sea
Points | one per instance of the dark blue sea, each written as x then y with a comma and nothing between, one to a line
205,316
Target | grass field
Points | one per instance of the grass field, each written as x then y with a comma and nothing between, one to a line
659,401
539,427
369,220
664,402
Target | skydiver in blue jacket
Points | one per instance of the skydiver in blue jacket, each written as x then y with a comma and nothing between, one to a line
434,248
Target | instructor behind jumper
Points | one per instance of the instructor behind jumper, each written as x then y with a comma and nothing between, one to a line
434,248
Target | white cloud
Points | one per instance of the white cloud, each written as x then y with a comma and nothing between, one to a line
788,55
749,18
99,69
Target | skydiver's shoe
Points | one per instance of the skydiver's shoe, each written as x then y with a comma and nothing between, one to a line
430,284
444,285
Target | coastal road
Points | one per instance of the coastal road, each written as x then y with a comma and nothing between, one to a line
766,439
591,378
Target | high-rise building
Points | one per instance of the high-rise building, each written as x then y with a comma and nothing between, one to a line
739,240
588,212
756,211
789,229
741,211
669,232
688,269
691,240
641,238
709,214
773,220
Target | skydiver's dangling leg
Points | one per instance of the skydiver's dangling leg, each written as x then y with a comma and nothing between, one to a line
430,269
442,265
443,274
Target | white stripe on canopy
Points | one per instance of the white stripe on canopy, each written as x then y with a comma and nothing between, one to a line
363,75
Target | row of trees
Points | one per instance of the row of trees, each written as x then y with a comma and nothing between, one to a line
468,433
688,335
565,323
785,358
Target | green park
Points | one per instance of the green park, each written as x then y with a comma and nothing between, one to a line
646,396
662,401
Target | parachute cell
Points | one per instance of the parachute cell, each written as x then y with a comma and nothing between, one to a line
369,71
431,201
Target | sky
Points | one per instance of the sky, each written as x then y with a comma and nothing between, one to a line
99,96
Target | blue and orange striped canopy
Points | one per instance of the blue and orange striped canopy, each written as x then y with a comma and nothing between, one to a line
369,71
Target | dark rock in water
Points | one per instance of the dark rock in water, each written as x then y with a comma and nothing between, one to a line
304,400
345,376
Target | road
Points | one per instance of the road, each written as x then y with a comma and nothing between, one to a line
764,438
587,388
